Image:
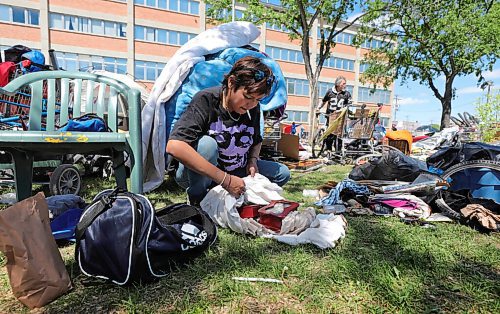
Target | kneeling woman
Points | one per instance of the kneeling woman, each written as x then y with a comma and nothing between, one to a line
217,139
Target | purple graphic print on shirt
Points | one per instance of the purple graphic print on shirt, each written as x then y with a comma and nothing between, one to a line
233,142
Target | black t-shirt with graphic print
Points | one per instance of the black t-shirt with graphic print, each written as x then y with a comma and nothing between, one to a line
336,100
206,116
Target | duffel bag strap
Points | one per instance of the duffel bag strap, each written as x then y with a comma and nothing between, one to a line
181,212
89,217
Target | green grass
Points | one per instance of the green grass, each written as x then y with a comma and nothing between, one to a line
383,265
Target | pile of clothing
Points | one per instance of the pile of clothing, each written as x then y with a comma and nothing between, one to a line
460,181
274,218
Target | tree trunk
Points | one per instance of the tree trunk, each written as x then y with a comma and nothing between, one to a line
313,101
445,115
446,102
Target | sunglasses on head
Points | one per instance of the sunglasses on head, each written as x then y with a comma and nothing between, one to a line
259,75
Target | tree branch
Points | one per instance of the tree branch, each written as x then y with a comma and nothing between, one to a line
434,89
302,12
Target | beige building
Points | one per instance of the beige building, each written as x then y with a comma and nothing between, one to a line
139,36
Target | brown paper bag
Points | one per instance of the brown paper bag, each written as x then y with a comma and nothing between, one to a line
36,270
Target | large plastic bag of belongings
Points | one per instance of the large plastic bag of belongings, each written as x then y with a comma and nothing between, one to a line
391,165
200,63
423,148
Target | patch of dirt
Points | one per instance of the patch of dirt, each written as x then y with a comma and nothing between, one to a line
268,301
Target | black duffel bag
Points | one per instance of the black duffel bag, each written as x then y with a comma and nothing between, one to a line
122,239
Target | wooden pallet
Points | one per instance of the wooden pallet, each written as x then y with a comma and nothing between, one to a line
304,165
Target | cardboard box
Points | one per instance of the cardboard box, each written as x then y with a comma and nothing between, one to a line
289,146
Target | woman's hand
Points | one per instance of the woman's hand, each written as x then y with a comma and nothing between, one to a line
252,168
234,185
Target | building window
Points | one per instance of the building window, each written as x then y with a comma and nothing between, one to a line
227,14
297,87
147,71
183,6
339,63
342,38
384,122
162,36
116,65
273,2
20,15
375,43
365,94
323,87
96,27
285,54
362,67
77,62
297,116
280,28
322,119
87,25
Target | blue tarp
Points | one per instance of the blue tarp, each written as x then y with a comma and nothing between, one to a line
211,73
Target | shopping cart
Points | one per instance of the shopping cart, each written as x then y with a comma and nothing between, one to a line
14,109
349,135
272,133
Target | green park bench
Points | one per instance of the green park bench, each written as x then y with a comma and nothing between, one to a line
55,97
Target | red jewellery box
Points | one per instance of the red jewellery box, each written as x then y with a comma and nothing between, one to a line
249,211
272,215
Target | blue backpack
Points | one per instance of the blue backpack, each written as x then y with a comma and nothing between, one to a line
121,238
87,123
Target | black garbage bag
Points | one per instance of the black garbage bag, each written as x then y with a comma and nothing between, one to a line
392,165
449,156
14,53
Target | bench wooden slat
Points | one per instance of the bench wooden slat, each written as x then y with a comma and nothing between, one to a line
112,109
77,98
100,100
89,106
63,115
35,122
51,104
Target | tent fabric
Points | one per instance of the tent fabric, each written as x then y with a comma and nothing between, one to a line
482,183
234,34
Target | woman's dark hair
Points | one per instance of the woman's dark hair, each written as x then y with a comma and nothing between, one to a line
252,74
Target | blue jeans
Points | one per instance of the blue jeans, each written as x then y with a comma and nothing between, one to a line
197,185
